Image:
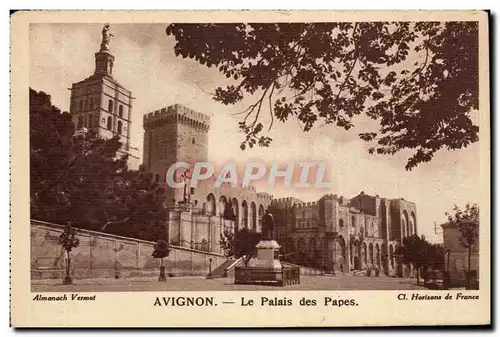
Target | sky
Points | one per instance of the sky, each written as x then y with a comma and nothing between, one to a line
145,63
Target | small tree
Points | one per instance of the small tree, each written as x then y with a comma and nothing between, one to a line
68,241
161,250
435,254
245,241
467,222
414,251
227,243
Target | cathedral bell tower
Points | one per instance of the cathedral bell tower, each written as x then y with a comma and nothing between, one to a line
101,104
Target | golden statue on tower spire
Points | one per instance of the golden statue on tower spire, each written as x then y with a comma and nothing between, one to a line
106,38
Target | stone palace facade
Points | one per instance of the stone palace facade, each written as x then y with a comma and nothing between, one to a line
338,234
332,233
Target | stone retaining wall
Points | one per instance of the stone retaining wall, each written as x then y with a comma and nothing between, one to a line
106,255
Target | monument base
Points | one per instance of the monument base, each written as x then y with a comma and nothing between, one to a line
266,268
267,255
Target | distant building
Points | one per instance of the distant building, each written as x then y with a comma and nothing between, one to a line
345,235
455,256
102,104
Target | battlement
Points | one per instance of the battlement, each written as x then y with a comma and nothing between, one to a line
285,201
312,204
265,196
250,188
329,197
176,113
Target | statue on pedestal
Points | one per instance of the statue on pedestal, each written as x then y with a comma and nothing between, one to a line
267,226
106,38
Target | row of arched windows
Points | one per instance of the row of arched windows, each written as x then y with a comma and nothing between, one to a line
91,103
360,230
408,224
87,104
91,121
119,125
111,105
308,223
87,121
315,249
244,214
370,254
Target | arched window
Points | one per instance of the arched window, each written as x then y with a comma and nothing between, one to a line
120,110
414,220
253,216
222,206
370,253
236,212
244,214
110,106
406,224
341,223
211,204
302,248
109,125
312,247
391,255
85,105
119,127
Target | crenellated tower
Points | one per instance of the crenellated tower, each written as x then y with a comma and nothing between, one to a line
174,134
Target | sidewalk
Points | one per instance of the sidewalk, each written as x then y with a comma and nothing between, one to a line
110,280
200,283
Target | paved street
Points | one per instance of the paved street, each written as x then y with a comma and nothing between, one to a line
344,282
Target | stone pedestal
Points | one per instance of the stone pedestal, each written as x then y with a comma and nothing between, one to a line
266,267
267,255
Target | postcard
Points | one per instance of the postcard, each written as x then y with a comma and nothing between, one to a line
250,168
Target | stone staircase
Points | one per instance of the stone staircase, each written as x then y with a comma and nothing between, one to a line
227,267
365,273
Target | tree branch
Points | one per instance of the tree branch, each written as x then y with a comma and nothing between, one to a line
208,93
355,53
271,108
64,174
115,222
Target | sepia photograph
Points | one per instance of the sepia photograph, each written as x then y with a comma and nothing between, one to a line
188,158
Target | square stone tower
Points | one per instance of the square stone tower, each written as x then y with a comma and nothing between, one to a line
174,134
102,104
